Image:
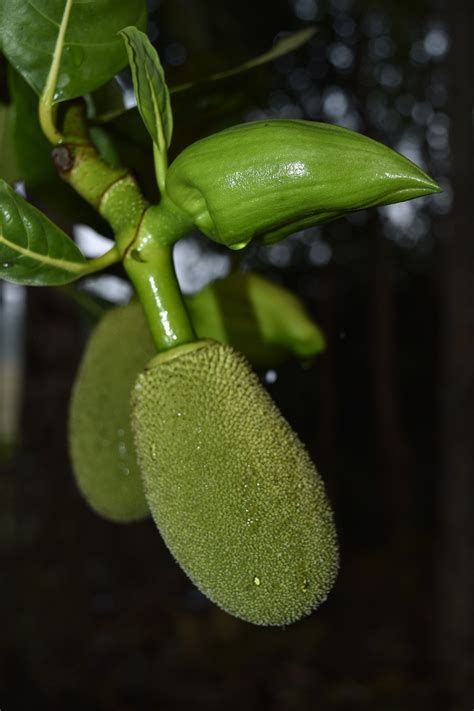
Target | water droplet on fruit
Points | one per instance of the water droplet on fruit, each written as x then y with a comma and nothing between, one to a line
256,581
125,470
6,265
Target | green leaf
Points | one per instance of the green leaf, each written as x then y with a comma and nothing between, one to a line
92,54
9,169
149,82
33,250
283,46
206,88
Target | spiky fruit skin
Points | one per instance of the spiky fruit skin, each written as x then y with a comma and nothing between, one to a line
100,436
263,319
231,487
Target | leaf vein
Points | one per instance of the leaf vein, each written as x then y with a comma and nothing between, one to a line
41,14
44,258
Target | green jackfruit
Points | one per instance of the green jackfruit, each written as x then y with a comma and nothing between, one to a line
263,320
100,438
231,487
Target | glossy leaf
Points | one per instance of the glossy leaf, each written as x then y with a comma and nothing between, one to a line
93,52
33,250
151,91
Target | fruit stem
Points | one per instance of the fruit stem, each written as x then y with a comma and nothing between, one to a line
149,263
144,234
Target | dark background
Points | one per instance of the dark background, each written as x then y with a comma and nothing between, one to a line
98,616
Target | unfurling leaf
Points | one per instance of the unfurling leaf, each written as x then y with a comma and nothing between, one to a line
33,250
149,82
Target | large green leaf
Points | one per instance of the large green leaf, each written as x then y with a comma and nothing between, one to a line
33,250
153,99
93,52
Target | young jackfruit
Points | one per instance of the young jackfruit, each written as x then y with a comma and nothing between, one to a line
263,320
231,487
100,438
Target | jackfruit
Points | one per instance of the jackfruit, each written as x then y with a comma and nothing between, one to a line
265,321
100,438
231,487
262,320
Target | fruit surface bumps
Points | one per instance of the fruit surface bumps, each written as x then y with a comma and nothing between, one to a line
100,437
231,487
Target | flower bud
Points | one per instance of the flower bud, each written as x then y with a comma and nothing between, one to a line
267,179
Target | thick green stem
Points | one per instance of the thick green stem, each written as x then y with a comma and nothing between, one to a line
144,235
149,264
114,192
